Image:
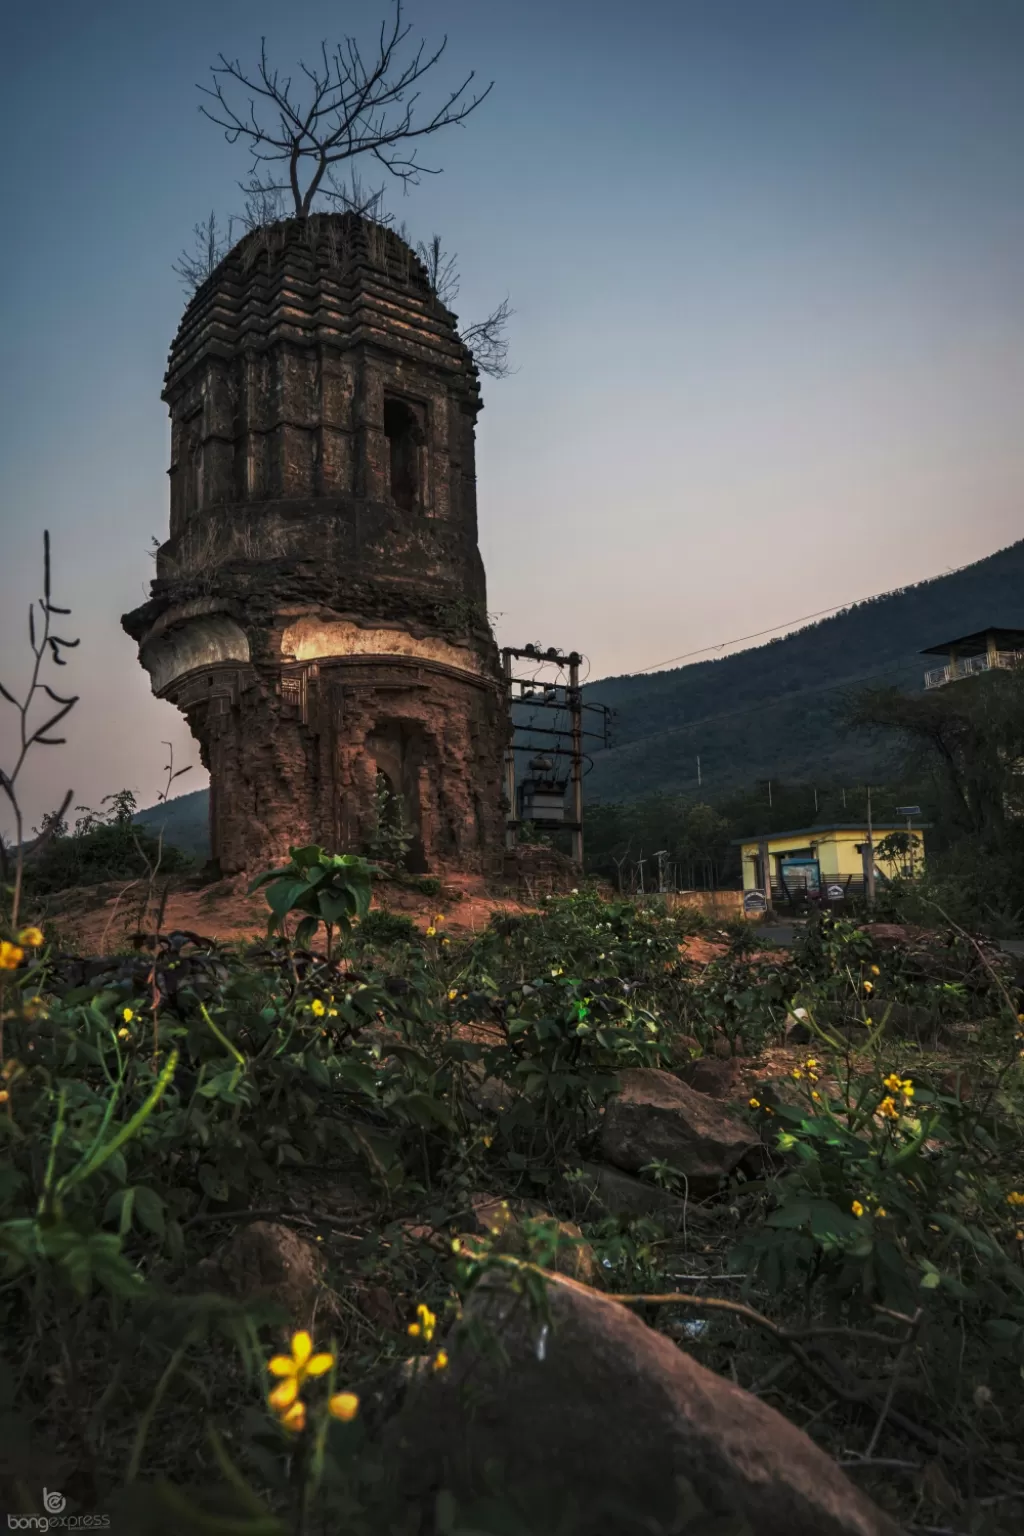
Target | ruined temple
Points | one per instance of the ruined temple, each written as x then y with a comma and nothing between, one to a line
319,610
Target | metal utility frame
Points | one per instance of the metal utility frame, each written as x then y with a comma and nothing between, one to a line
557,696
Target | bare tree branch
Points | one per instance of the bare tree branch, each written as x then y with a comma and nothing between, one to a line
342,108
487,341
210,248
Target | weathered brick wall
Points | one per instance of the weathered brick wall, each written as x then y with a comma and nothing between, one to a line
289,371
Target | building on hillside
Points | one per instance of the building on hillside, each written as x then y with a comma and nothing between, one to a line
319,612
827,863
983,651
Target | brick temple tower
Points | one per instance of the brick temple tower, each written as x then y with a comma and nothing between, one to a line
319,609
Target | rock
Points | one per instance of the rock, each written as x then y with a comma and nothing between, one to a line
682,1050
378,1306
266,1261
604,1424
718,1079
656,1118
602,1191
501,1220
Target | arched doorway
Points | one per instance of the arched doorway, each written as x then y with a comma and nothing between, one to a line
399,751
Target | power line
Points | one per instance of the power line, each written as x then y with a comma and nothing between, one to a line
790,623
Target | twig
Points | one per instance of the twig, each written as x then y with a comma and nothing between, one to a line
880,1461
206,1217
887,1404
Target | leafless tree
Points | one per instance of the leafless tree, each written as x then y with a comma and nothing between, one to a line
442,272
41,640
486,339
210,247
346,107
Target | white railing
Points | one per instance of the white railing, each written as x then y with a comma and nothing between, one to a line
967,666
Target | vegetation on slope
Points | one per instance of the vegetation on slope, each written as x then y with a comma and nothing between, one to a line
771,711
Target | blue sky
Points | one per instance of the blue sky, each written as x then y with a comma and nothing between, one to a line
766,262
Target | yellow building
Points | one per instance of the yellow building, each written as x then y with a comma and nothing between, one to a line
827,863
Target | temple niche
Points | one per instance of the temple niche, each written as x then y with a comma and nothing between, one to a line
319,609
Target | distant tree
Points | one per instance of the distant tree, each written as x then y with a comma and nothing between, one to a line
345,107
970,735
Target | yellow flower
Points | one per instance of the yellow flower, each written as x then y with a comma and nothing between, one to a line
857,1208
875,971
294,1418
332,1013
754,1103
4,1095
768,1110
30,937
1015,1197
343,1406
796,1073
124,1034
431,932
815,1094
1019,1236
487,1140
127,1015
881,1211
893,1082
425,1324
439,918
810,1064
10,956
888,1109
441,1360
318,1008
452,995
868,986
295,1368
446,941
456,1245
907,1088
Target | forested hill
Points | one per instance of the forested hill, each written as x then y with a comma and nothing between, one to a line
773,711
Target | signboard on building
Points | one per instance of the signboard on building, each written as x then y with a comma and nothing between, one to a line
754,901
835,893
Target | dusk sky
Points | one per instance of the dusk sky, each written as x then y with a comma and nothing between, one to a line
767,263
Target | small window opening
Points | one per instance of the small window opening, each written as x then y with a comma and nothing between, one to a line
404,436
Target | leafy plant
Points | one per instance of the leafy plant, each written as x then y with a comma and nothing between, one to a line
329,888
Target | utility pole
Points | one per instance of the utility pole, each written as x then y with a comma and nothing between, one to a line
766,874
815,802
769,794
510,758
869,868
640,872
576,718
698,773
661,856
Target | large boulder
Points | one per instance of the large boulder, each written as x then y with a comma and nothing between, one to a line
656,1118
600,1426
